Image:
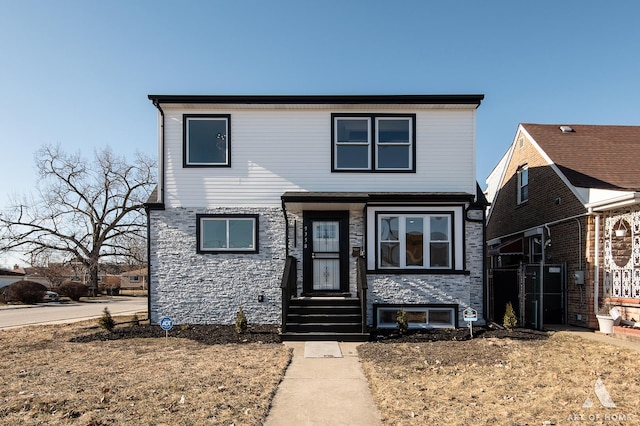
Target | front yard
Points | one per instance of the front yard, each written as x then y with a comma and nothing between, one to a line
74,374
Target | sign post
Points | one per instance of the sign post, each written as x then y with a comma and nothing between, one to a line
470,315
166,324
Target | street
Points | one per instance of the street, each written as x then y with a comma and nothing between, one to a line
56,313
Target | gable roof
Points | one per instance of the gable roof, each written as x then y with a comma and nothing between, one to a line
592,156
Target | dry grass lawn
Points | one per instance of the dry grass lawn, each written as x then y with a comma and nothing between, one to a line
45,379
503,382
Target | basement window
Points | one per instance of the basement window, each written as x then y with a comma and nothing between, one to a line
418,316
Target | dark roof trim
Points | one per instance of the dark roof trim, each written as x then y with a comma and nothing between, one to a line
325,197
318,99
375,197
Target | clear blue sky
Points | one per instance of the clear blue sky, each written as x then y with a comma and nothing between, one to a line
78,72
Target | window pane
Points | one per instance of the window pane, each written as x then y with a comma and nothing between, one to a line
214,234
393,157
416,317
352,130
439,228
439,255
393,131
241,233
207,141
415,241
441,317
352,157
390,255
389,230
387,316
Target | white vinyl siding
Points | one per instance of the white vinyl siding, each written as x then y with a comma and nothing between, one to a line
279,148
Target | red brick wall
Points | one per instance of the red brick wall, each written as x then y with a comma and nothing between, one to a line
550,200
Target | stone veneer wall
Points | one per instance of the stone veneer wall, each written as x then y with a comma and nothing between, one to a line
462,289
194,288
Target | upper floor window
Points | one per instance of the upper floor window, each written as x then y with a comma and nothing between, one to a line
523,184
227,233
373,142
207,140
414,241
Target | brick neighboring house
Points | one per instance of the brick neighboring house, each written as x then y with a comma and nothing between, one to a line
563,230
134,280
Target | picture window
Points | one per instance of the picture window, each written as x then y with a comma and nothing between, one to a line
207,140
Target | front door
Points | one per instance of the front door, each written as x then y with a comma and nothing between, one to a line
325,252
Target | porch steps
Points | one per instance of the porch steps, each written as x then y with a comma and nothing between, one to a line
324,318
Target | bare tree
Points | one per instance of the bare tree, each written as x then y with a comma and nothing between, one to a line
84,210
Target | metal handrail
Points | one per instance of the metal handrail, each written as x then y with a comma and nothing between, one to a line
289,287
361,278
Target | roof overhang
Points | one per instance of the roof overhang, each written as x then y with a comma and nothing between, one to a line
612,200
341,200
471,100
512,246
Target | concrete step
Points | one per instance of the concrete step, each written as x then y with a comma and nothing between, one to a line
319,336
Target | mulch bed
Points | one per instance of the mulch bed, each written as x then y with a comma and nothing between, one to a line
226,334
206,334
459,334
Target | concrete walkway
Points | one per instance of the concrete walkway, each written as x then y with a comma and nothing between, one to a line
324,385
623,341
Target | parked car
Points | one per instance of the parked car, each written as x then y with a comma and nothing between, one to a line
51,296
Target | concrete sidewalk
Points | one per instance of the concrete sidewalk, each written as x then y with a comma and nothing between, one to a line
628,342
324,385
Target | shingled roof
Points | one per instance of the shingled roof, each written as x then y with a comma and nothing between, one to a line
592,156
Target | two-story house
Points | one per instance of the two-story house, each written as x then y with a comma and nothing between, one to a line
320,213
564,226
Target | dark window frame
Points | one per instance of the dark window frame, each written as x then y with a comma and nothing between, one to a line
416,307
453,268
373,142
223,216
186,118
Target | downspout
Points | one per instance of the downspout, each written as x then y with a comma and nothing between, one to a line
286,230
540,306
485,281
148,210
160,199
596,261
156,103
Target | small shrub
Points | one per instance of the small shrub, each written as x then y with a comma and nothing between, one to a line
135,320
402,321
28,292
109,287
241,322
73,290
106,321
510,321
